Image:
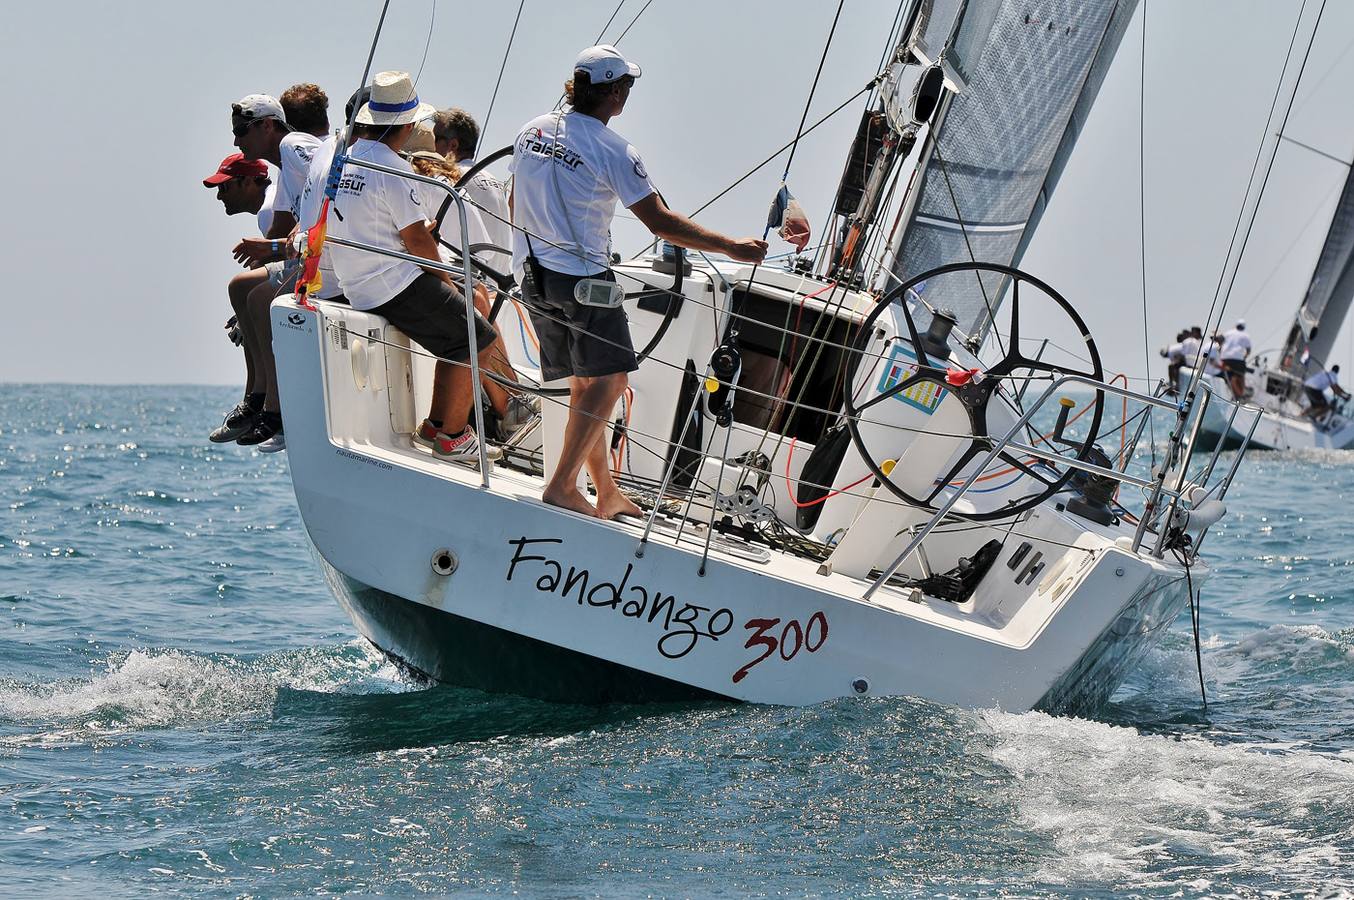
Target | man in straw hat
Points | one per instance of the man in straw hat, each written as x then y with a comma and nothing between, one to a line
570,170
387,211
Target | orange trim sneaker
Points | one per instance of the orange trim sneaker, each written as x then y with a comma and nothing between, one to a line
463,448
426,434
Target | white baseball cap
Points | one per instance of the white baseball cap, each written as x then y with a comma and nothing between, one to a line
604,64
258,106
1241,323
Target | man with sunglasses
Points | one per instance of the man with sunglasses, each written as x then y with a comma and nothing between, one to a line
259,123
570,170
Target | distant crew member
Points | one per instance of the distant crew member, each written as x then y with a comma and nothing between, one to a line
242,185
1317,405
570,170
1175,358
1236,346
388,211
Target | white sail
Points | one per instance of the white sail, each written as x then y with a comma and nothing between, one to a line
1027,76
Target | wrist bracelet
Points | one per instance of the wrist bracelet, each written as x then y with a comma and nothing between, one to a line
274,245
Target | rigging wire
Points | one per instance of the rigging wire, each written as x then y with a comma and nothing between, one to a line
1142,216
620,37
484,129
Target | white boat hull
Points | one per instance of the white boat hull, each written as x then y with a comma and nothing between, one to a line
1280,426
546,602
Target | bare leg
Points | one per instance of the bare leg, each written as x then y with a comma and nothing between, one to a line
452,397
610,501
590,403
239,289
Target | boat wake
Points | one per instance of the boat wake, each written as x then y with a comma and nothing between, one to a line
164,688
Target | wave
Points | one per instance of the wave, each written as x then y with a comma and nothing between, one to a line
1127,808
159,688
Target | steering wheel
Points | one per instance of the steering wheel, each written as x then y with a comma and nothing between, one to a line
976,393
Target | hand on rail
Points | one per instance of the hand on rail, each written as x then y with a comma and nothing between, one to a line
749,250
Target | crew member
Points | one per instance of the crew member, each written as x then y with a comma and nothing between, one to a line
1236,346
570,170
387,211
457,136
243,186
1317,405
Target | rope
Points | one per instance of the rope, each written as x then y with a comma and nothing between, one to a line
484,129
1142,215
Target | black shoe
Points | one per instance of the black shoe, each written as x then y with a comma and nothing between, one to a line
265,426
237,422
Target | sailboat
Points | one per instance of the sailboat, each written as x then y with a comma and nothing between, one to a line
864,474
1276,404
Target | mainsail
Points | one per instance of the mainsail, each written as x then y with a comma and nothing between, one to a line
1328,296
998,147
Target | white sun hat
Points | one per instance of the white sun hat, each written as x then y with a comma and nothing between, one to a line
393,101
604,64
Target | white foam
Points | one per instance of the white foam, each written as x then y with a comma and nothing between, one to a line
1120,806
148,688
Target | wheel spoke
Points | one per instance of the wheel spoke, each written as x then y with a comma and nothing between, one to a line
969,454
1020,464
919,375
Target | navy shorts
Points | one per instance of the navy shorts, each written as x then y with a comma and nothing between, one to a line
576,339
431,313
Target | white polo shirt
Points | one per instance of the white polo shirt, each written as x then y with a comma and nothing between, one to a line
296,150
1189,349
491,196
1236,344
265,214
569,171
373,207
450,232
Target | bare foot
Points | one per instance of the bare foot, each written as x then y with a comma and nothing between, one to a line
569,499
616,505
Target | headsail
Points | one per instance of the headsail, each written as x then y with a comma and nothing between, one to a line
1328,296
1027,79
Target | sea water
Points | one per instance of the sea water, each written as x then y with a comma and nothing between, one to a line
184,709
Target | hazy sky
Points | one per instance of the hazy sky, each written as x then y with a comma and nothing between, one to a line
117,258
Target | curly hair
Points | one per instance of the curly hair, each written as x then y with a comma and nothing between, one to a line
439,167
307,108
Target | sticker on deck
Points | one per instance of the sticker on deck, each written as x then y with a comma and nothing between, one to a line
902,364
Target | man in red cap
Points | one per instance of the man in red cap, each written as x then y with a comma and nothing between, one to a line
243,186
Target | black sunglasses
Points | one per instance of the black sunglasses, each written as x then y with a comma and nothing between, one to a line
240,129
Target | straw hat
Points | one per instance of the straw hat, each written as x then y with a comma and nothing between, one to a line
393,101
422,140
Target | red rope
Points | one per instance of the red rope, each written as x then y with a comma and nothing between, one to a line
789,485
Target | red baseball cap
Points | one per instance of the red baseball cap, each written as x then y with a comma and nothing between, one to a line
235,166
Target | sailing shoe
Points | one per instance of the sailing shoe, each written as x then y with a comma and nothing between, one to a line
275,443
426,434
521,410
463,448
265,426
237,422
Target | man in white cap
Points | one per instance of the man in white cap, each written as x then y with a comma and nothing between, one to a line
570,170
387,211
1236,346
1317,405
261,130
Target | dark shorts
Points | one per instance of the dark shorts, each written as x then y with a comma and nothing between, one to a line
1234,366
589,341
431,313
1316,399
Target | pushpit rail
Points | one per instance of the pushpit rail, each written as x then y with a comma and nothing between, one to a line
1181,451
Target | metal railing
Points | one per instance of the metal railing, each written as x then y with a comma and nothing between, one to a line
1182,449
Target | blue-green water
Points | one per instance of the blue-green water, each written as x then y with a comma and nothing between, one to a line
183,708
